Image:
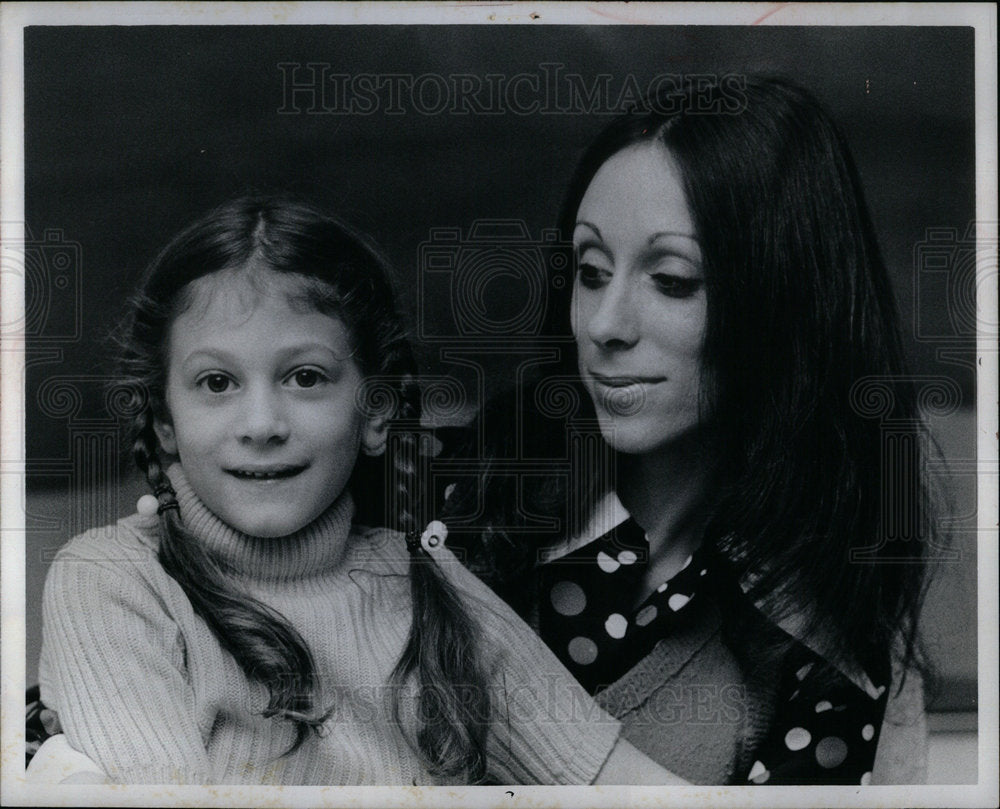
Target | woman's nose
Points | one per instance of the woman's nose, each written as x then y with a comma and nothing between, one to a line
613,324
264,418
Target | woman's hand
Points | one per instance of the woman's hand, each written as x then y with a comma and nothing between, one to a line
56,762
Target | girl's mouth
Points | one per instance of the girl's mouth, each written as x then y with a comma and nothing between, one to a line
266,473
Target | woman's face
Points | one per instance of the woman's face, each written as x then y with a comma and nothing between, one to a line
639,303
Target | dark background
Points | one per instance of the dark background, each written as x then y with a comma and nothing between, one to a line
132,132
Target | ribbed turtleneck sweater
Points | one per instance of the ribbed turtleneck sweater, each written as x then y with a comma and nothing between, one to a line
144,688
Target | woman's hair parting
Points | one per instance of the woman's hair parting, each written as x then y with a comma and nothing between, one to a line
341,273
802,338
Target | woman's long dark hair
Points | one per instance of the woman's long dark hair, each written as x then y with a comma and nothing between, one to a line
342,274
803,363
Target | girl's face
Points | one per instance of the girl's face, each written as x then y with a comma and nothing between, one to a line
639,304
261,396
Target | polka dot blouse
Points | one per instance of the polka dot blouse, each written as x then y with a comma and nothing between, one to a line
824,729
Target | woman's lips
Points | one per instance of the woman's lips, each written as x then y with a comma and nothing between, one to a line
621,394
624,380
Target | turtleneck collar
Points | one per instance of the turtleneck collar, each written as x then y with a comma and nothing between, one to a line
316,549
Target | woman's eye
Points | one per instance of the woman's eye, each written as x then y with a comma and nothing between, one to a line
216,383
676,286
591,276
307,377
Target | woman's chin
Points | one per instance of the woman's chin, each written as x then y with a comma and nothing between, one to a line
628,440
637,436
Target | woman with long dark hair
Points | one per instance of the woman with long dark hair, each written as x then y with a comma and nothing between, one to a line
723,563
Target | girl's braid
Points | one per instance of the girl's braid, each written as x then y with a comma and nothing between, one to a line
442,647
259,638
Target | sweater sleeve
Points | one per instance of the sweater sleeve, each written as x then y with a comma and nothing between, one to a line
113,667
546,728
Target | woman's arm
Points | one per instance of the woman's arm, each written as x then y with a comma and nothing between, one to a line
549,729
55,762
901,757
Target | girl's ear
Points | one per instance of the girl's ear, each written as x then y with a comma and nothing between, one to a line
374,435
165,435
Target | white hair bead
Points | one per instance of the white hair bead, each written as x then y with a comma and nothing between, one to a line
147,505
435,533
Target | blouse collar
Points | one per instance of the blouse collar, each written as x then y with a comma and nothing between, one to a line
609,513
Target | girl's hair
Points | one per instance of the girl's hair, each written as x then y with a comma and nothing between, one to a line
801,334
341,274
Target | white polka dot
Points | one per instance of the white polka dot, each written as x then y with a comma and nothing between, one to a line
831,752
868,733
797,738
678,600
567,598
646,615
448,490
616,625
606,563
703,572
627,558
795,693
802,672
866,779
582,650
823,705
662,587
687,562
758,773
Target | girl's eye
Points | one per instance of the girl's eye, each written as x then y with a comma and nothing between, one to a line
591,276
676,286
216,383
307,377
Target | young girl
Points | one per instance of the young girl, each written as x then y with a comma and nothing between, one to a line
242,627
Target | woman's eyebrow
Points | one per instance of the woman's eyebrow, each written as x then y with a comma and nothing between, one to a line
671,233
592,226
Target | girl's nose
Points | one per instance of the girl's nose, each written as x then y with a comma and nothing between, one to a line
614,323
264,418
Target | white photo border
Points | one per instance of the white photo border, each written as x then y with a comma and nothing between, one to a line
13,19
